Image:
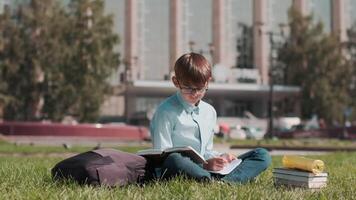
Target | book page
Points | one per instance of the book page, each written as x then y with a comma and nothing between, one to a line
159,155
187,151
149,152
178,149
229,167
297,172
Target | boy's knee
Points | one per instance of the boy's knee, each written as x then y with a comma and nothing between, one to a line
173,159
264,156
174,156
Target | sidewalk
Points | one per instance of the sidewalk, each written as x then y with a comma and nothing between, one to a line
225,148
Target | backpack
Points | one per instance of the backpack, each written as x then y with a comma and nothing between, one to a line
107,167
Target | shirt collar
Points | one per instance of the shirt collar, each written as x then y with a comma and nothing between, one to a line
187,106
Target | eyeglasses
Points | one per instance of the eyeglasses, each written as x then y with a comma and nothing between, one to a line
189,90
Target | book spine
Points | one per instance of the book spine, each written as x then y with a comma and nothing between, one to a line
312,185
299,178
299,173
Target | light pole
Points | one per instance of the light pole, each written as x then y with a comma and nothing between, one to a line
129,77
274,46
270,127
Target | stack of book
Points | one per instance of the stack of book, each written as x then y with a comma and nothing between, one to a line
299,178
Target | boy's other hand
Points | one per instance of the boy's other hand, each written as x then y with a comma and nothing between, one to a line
229,157
215,164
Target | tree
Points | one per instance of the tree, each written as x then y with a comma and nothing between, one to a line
57,59
18,64
351,49
4,97
81,81
315,62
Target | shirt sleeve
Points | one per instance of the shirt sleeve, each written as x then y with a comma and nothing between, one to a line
209,152
161,129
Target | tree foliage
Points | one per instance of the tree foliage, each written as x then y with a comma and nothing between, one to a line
56,59
315,62
351,47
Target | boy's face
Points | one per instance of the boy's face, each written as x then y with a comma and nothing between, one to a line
190,92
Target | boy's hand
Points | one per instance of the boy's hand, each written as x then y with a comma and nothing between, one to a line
229,157
215,164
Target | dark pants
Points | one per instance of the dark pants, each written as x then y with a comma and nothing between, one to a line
253,163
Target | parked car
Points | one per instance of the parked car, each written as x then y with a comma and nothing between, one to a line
239,132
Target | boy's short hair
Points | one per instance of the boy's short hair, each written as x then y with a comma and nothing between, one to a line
192,68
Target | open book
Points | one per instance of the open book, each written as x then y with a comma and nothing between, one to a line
228,168
157,156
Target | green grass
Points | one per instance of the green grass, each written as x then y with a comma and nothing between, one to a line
29,178
9,148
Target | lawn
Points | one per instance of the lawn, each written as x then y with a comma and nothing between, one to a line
26,149
9,148
28,177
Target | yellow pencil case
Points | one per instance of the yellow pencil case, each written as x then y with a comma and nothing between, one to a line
298,162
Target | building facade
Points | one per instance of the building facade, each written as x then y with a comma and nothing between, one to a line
235,35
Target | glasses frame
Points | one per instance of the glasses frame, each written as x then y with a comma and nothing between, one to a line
189,90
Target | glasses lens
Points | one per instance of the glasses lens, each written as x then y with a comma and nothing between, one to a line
188,90
193,90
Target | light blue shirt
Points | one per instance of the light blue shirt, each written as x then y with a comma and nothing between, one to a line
178,123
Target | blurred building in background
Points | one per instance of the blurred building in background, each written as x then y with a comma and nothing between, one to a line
239,37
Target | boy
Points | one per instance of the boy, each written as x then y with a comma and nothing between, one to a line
185,120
